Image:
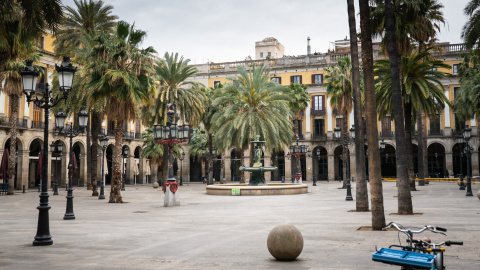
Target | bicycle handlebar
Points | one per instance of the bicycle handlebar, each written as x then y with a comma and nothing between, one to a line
408,231
441,229
449,243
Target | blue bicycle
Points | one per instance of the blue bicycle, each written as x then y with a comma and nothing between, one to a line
419,253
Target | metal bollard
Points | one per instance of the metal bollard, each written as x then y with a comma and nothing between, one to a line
23,189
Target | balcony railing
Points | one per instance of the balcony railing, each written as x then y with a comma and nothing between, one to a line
317,112
322,137
435,133
138,135
111,132
5,121
128,134
385,134
38,124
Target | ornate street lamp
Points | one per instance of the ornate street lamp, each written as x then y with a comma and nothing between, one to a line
56,149
170,135
208,156
460,141
46,101
297,151
466,134
346,142
103,144
71,132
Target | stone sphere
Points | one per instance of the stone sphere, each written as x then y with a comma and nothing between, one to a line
285,242
155,185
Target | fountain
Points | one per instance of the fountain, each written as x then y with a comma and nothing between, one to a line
257,185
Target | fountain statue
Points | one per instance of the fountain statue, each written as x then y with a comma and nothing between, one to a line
258,170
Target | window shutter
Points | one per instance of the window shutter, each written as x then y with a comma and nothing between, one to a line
321,78
323,102
279,80
313,78
313,103
291,79
300,79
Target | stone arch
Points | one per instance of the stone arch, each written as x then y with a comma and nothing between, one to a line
109,162
34,149
278,160
195,168
320,163
388,161
137,158
79,151
19,152
436,160
459,159
59,164
338,162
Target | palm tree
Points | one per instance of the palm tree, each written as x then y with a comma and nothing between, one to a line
87,17
361,191
471,29
340,90
174,87
120,77
252,105
75,38
13,88
23,21
300,100
376,189
404,198
467,98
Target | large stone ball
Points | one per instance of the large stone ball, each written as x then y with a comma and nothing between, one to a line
285,242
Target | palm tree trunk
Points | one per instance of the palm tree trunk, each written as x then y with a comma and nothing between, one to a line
404,198
115,193
13,144
242,163
376,189
95,129
408,137
421,147
361,190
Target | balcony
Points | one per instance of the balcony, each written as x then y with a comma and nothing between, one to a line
387,134
319,137
138,135
317,112
38,125
111,132
5,122
128,135
435,133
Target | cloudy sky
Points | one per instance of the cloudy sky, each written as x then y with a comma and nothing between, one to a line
224,31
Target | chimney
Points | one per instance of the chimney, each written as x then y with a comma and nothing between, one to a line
308,46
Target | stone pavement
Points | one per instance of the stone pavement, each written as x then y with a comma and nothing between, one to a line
217,232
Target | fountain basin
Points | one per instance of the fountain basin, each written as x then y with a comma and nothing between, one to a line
261,190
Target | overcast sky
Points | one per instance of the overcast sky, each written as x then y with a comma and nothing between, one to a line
226,30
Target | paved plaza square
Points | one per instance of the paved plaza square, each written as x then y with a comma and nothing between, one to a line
227,232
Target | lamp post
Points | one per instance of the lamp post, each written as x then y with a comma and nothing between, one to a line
466,134
315,179
297,151
103,144
71,132
182,157
125,153
44,99
208,155
169,135
56,149
346,142
460,140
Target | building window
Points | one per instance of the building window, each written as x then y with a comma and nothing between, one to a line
296,79
339,123
435,125
319,127
41,43
277,80
386,126
433,69
318,103
317,79
216,84
455,68
269,54
261,55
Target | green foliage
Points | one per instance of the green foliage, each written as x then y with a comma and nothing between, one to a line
172,74
339,86
421,83
252,105
154,150
471,29
467,98
300,99
198,141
